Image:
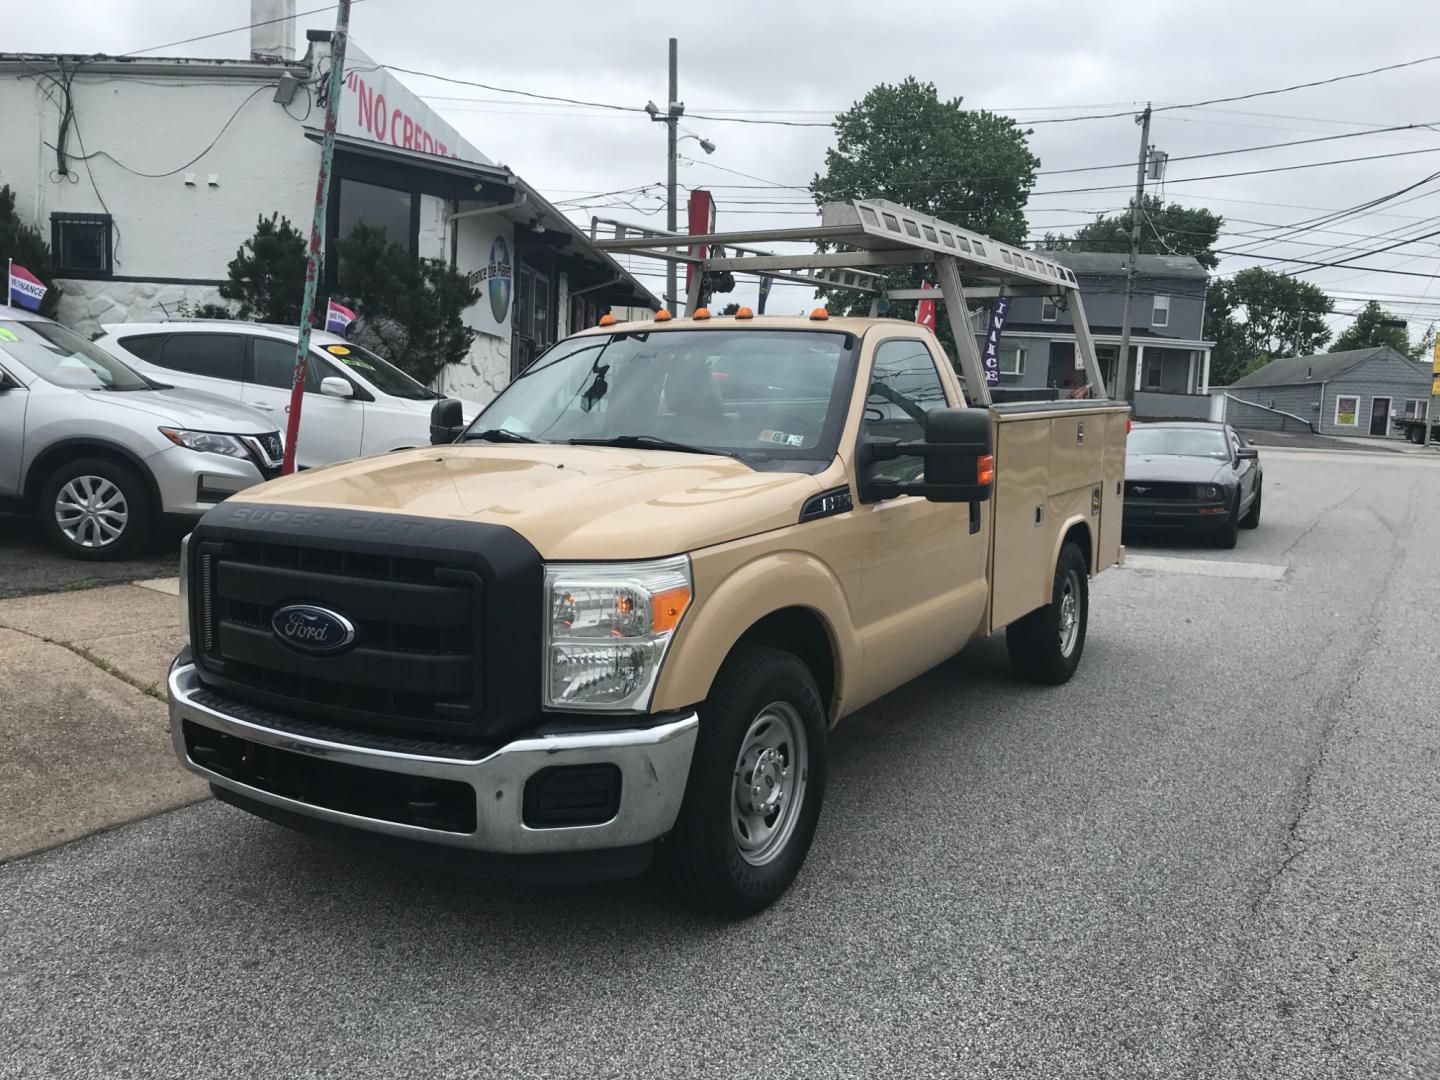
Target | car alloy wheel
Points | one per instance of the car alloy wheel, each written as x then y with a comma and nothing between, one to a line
91,511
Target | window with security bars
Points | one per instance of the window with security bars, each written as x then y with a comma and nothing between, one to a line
81,245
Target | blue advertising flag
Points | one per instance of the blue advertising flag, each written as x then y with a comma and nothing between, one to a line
765,283
990,355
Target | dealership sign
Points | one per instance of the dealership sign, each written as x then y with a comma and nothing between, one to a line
377,107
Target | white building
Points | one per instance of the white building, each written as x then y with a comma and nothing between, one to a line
148,174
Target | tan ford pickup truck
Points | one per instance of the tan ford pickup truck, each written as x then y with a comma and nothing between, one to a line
618,615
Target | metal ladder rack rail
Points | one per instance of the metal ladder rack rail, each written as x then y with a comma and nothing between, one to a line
888,234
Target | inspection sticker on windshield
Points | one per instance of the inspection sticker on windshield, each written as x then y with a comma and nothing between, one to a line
782,438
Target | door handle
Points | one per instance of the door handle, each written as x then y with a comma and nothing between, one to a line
263,407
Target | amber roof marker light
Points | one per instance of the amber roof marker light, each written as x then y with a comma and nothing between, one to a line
819,315
607,320
744,313
701,313
663,316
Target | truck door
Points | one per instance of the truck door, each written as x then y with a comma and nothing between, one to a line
923,585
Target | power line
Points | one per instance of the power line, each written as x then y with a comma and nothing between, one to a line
1245,97
235,29
1321,265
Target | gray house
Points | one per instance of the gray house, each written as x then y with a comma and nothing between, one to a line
1168,352
1355,392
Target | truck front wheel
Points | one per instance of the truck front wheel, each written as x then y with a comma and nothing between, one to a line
1045,646
755,788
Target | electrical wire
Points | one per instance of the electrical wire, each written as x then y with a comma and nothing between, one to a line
1246,97
179,168
236,29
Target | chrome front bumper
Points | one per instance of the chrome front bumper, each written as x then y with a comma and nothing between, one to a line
654,763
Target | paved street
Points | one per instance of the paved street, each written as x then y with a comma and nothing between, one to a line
1213,854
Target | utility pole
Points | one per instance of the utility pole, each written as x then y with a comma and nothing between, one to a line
317,231
671,119
1122,367
673,111
1431,416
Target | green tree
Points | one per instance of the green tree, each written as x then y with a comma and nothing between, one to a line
730,308
1170,229
410,310
1369,331
1261,313
904,143
24,244
267,275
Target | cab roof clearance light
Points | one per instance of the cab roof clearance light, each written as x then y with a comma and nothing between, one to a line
663,316
819,314
744,313
607,320
701,313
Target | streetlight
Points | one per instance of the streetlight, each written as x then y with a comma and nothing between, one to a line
705,144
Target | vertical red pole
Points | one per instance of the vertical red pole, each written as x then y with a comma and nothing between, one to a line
315,260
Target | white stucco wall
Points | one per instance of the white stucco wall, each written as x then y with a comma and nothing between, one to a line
163,227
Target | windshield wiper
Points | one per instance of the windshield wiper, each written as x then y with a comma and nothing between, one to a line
649,442
499,435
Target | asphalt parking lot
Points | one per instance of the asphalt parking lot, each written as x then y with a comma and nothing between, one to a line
1212,854
29,564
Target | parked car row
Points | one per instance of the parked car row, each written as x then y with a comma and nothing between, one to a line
104,441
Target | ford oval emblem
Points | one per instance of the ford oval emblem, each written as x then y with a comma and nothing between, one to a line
313,629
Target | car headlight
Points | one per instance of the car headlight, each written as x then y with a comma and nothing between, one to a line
607,629
207,442
1208,491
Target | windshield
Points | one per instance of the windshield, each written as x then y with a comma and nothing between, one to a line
63,357
748,393
378,372
1178,442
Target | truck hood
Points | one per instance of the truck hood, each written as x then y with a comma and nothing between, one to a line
1185,469
570,502
192,409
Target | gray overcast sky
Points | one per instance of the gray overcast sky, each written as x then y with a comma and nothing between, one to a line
812,59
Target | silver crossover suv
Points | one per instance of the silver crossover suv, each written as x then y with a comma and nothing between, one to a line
99,452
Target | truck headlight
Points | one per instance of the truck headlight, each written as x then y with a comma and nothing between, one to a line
607,629
207,442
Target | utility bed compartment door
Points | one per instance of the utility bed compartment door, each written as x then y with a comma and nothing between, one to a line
1054,464
1021,575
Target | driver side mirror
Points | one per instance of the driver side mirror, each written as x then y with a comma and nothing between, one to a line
447,421
1246,453
958,454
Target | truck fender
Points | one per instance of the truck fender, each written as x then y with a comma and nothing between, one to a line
1089,543
728,606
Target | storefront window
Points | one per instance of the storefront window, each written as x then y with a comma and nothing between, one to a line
379,207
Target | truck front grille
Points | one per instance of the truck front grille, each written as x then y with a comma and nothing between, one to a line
416,663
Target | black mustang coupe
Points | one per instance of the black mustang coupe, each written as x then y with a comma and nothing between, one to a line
1193,475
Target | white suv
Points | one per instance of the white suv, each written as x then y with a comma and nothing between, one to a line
356,402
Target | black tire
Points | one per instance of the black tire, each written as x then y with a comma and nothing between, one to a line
703,854
1229,534
1252,519
1039,651
87,536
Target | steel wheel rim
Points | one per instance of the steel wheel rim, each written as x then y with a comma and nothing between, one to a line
91,511
771,777
1069,613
